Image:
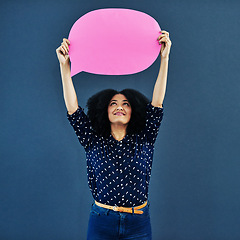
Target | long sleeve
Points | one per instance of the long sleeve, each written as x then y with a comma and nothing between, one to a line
154,117
82,127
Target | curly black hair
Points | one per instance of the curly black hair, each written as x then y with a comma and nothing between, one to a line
98,110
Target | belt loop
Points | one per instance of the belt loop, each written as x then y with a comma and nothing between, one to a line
132,210
107,212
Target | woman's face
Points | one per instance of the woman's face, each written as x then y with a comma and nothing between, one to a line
119,109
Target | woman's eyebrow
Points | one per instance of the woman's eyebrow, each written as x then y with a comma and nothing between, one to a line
122,100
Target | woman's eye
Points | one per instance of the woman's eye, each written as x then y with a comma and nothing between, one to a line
112,103
126,104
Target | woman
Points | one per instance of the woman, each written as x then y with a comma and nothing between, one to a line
118,135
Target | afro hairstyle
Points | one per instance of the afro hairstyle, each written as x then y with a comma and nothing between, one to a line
98,110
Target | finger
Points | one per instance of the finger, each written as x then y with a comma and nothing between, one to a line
65,45
58,50
163,31
163,35
66,40
160,37
63,50
163,39
167,43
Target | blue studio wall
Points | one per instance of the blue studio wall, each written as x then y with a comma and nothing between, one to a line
194,189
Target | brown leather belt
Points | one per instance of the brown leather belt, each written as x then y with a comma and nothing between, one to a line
123,209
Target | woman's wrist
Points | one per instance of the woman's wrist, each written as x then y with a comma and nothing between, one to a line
65,65
165,58
65,70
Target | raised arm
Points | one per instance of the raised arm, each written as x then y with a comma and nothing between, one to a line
161,82
69,92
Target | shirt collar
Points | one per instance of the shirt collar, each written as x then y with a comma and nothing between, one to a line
126,139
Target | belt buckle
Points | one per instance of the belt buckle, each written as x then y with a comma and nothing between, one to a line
115,208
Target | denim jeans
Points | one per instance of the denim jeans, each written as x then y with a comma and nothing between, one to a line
106,224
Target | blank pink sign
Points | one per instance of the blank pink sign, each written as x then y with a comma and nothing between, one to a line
113,41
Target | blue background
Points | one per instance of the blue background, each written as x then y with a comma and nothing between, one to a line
194,189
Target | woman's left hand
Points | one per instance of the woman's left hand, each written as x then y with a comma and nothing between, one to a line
166,44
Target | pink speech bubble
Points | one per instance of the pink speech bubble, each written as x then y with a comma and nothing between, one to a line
113,41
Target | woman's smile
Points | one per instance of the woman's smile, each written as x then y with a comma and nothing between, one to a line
119,114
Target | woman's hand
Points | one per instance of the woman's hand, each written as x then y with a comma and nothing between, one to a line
166,44
62,51
161,82
69,92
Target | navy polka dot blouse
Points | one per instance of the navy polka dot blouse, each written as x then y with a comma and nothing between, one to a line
118,171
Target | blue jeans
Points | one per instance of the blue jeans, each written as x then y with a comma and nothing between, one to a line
106,224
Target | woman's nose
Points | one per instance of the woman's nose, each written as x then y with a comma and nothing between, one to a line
119,107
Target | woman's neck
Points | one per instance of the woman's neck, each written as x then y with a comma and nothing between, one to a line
118,131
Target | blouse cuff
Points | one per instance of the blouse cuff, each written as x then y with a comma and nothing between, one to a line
155,109
75,114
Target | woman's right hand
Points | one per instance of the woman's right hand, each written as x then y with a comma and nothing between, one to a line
62,51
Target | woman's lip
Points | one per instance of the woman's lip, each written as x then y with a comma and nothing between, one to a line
119,114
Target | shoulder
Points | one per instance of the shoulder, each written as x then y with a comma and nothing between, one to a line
71,114
154,109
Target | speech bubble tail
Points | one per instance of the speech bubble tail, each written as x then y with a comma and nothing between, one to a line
75,72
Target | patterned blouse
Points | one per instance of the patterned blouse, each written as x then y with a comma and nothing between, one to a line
118,171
